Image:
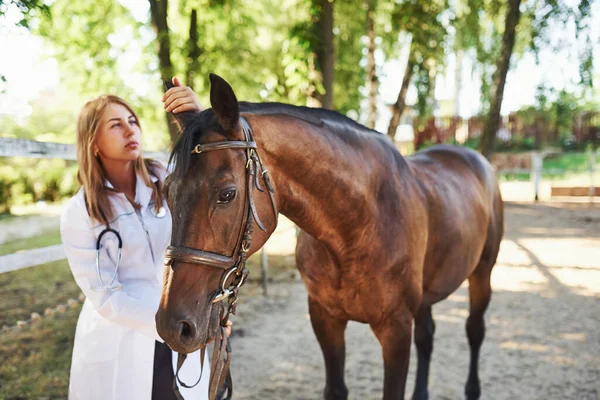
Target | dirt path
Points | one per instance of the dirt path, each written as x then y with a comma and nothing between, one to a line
543,324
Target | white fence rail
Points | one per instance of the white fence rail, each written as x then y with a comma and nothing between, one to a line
10,147
30,258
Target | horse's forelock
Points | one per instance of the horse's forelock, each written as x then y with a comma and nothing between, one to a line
182,151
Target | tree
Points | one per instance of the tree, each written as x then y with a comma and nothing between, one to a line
325,48
423,22
508,41
193,51
29,10
371,67
158,12
530,34
400,104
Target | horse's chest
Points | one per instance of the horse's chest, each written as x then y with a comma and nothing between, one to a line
342,293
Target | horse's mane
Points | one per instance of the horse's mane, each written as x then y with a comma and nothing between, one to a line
207,120
314,116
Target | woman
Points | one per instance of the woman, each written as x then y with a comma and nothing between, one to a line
118,353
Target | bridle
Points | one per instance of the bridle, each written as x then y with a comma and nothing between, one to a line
232,266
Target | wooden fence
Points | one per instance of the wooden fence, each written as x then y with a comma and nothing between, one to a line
10,147
28,148
585,127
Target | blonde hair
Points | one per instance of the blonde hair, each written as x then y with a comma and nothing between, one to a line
91,175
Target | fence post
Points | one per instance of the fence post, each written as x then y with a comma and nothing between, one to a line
592,191
264,262
536,172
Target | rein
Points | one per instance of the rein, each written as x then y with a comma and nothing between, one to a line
232,266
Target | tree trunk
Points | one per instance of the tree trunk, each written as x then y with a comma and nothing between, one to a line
158,11
325,49
508,40
371,72
398,107
432,84
193,52
458,81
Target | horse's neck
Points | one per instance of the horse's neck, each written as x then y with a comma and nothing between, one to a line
321,184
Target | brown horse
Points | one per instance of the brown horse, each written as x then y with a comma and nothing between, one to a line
383,237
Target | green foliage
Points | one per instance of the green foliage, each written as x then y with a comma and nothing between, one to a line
29,10
427,24
538,19
515,144
26,180
572,162
350,19
90,64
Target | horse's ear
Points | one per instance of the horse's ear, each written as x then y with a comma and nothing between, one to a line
184,118
224,103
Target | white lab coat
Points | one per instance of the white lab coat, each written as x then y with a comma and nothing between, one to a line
113,354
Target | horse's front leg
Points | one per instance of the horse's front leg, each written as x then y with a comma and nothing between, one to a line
330,334
394,334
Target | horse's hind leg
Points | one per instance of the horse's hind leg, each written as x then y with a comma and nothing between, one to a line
424,330
330,334
480,292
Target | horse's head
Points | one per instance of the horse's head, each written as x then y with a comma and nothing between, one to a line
222,205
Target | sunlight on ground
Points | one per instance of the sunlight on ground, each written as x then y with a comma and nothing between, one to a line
524,346
572,263
542,257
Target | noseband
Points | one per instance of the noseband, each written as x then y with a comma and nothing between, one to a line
234,265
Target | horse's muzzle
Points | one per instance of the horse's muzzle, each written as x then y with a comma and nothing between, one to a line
186,333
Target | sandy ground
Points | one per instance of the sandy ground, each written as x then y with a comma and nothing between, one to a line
543,324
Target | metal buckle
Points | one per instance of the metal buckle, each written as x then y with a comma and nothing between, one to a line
226,292
197,150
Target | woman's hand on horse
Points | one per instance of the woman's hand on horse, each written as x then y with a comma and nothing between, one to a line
228,328
181,98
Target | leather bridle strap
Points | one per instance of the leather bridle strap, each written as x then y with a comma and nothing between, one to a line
233,144
193,256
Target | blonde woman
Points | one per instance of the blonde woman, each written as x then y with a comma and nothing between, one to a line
118,353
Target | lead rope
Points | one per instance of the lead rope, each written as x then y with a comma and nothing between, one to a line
220,375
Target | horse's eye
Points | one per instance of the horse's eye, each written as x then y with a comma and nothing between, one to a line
227,196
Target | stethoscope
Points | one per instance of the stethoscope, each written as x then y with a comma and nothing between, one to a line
161,213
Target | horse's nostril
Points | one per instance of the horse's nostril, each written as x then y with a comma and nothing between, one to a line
186,330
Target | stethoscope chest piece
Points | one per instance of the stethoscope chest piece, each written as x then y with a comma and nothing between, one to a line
161,213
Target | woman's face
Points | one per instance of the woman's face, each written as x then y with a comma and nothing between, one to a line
119,136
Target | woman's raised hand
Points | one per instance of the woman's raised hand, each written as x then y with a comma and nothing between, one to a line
180,98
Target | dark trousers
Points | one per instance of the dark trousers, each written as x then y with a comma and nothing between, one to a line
162,381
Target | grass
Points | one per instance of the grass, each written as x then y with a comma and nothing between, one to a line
34,289
566,166
569,162
35,360
35,242
6,217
